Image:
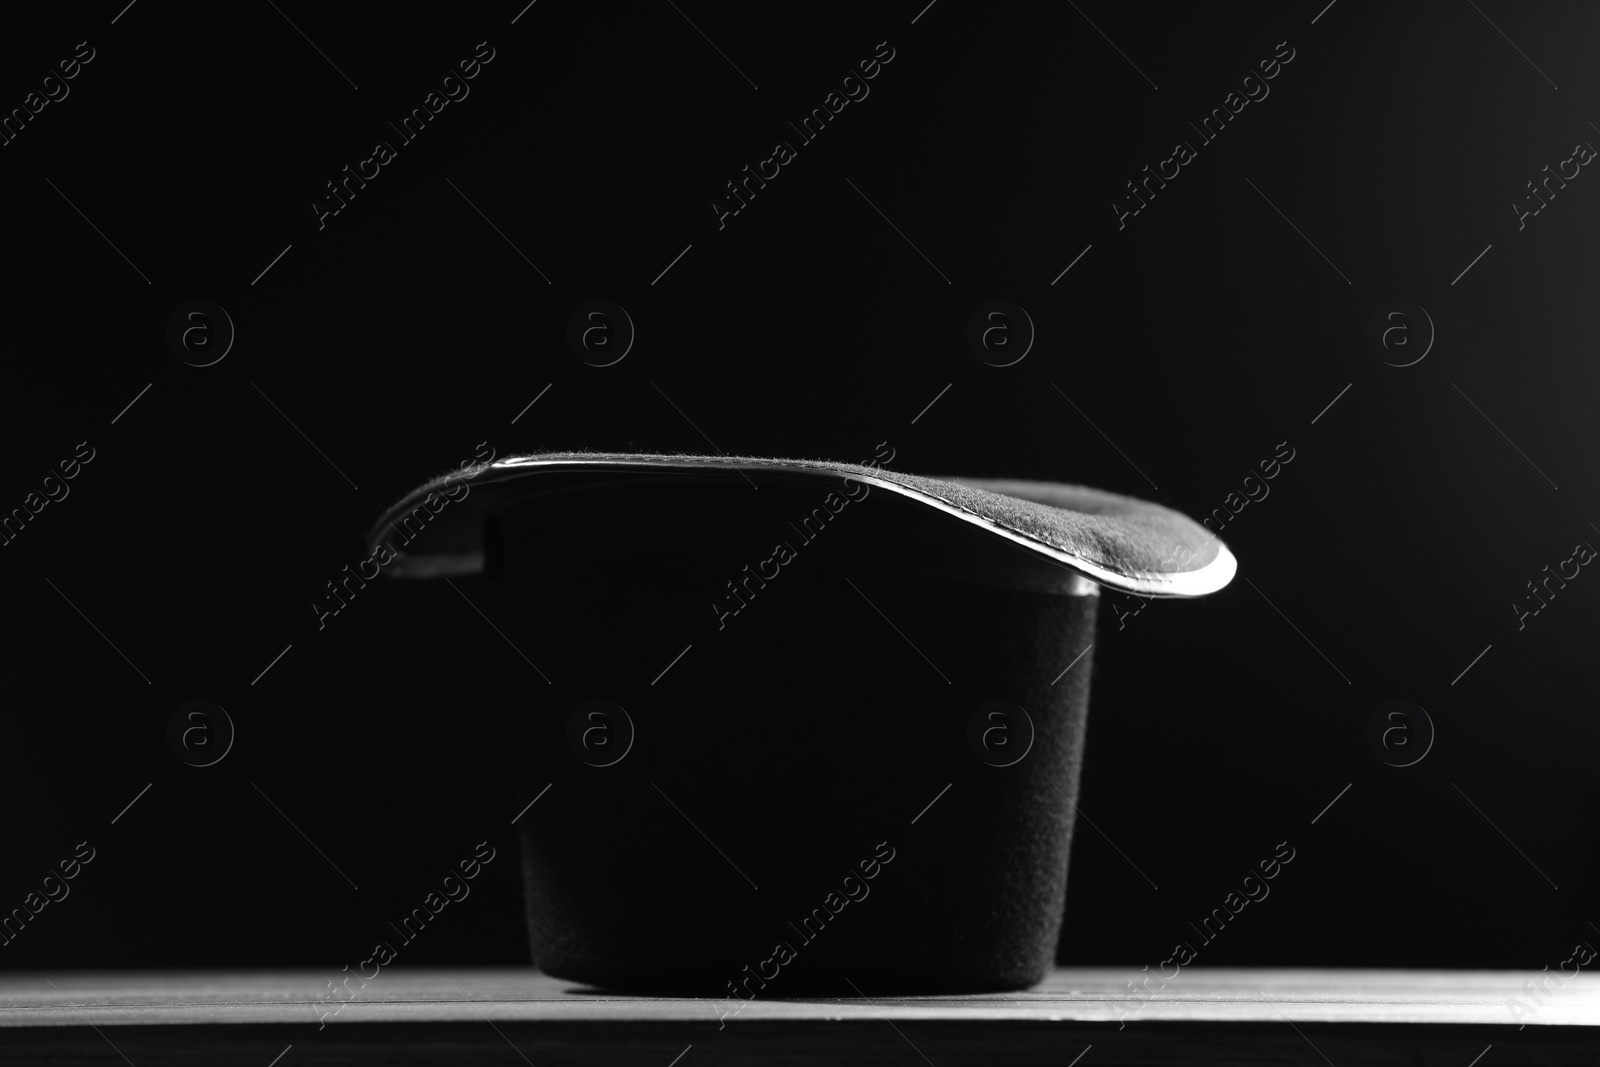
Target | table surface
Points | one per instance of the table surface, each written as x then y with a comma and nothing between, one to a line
517,1016
1086,994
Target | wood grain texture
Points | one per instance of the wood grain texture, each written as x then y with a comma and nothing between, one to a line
1220,1015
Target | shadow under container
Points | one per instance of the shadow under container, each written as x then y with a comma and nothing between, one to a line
797,728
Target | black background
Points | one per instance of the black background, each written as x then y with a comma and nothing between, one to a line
1197,338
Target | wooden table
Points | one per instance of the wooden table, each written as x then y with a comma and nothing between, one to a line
518,1016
